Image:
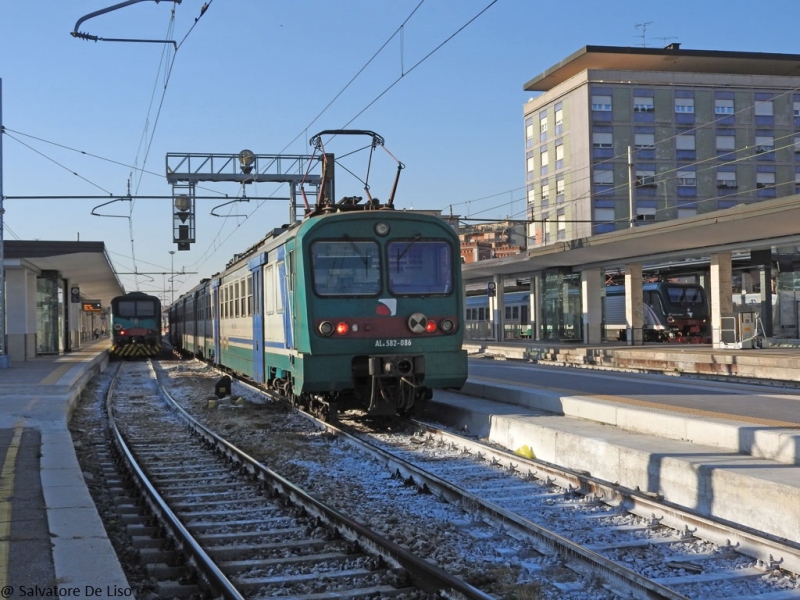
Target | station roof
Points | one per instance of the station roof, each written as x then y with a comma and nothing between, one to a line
85,264
759,226
671,58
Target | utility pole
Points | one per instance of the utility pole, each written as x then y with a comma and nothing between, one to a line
172,277
631,182
4,364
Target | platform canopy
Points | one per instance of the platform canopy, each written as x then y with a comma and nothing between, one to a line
83,264
764,225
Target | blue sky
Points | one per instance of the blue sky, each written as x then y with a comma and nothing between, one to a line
254,74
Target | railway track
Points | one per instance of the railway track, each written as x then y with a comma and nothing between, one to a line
246,531
635,540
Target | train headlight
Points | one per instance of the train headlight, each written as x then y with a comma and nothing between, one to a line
447,326
326,328
342,328
382,229
430,326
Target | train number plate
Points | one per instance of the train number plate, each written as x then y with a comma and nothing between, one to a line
392,343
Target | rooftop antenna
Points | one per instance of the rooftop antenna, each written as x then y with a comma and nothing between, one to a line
643,27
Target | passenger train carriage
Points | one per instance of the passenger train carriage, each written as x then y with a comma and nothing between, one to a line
356,307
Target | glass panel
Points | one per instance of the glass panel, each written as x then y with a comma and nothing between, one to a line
686,295
47,316
145,308
561,314
420,268
349,268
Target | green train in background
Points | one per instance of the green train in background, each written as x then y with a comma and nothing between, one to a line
135,326
358,306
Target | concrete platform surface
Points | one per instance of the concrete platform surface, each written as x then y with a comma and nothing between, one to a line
776,363
51,534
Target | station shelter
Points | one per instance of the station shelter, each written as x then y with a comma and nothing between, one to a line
567,279
58,294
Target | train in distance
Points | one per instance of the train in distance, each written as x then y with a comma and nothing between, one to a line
356,307
673,311
135,326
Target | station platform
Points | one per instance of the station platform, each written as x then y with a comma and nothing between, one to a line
50,532
778,362
730,452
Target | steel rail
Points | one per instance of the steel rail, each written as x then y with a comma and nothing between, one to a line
216,579
476,505
423,574
473,504
758,545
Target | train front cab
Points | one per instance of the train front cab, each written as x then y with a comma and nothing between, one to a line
381,314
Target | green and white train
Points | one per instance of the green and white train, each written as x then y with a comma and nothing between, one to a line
355,307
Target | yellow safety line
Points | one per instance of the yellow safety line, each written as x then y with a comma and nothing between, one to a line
56,375
661,406
6,493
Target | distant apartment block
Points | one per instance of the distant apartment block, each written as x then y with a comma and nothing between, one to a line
705,130
491,240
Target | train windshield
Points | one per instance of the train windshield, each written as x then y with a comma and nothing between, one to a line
420,268
346,268
686,296
136,308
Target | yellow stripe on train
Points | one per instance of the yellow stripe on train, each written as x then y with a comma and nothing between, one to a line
133,350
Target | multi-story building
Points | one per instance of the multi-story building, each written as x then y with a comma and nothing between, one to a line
624,136
491,240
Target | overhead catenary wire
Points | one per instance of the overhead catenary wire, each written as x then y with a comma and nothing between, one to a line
198,264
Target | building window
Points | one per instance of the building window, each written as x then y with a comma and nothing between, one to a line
764,143
560,156
644,140
560,187
545,192
765,180
543,125
687,178
601,103
797,144
528,128
561,219
797,183
602,140
531,194
603,176
529,162
684,105
723,107
559,118
726,142
796,107
645,213
764,108
726,179
645,178
684,141
544,161
604,215
641,104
